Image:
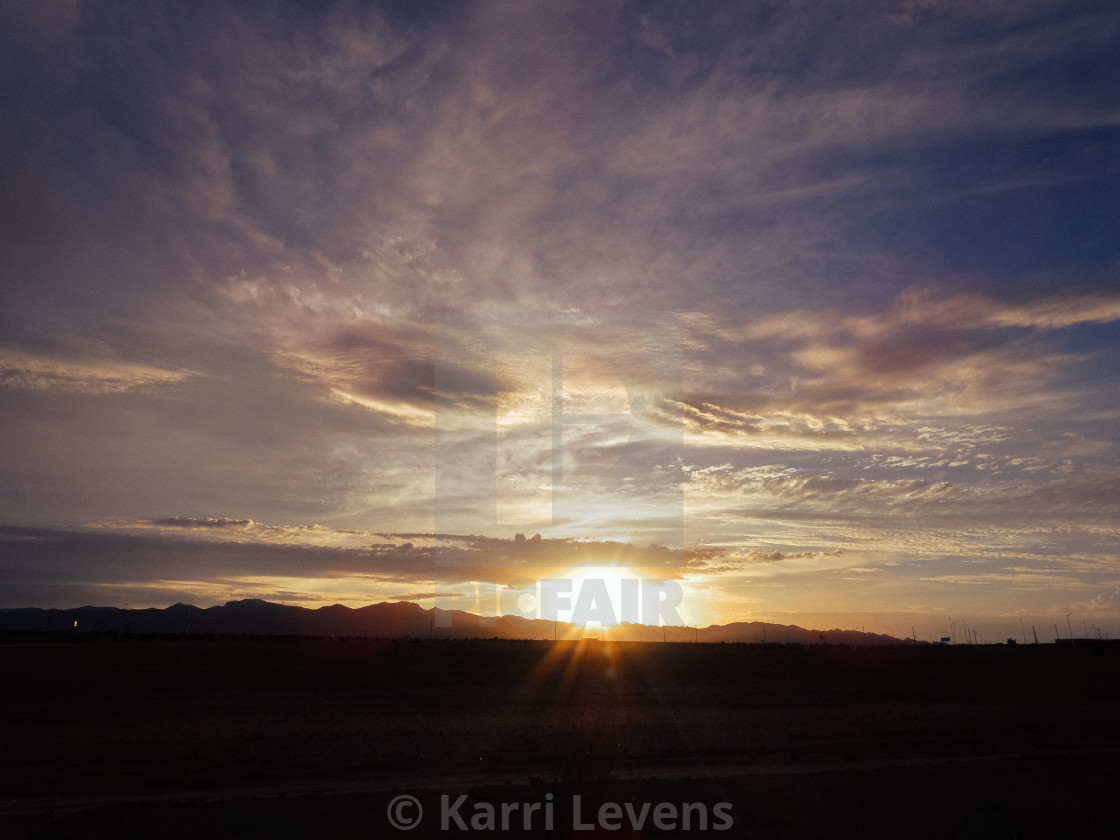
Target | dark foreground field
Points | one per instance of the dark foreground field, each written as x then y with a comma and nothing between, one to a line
316,738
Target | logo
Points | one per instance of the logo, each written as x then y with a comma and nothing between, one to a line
405,812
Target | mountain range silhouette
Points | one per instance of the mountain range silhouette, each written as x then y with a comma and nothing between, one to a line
254,617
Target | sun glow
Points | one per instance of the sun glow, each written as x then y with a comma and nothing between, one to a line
604,591
611,575
604,600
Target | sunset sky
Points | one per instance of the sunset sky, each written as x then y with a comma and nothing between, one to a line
812,308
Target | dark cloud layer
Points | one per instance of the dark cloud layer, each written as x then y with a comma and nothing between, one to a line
161,556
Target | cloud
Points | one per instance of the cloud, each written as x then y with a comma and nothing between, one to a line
828,380
21,369
390,376
227,555
777,493
369,160
721,561
244,530
968,311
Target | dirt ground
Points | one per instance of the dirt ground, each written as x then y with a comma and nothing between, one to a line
279,737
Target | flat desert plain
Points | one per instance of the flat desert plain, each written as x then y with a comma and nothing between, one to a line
129,736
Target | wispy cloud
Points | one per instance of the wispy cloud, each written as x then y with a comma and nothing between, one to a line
829,380
244,530
20,369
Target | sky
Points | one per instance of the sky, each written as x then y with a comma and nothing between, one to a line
810,310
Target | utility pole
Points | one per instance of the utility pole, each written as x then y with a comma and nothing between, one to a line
1069,625
1035,634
